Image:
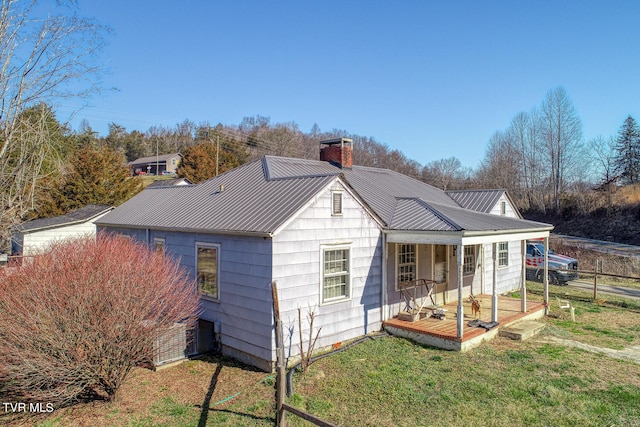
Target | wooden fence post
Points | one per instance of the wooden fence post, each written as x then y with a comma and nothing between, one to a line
595,281
280,374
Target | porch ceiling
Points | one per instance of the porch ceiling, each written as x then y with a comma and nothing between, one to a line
463,237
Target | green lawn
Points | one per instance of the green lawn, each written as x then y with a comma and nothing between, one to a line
395,382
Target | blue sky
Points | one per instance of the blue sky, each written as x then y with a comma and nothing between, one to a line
433,79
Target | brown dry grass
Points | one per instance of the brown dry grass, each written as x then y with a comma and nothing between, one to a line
627,195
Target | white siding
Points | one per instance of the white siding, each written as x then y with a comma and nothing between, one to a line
509,277
38,241
297,269
510,210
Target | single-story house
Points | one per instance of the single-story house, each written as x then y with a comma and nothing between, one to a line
156,165
339,239
33,237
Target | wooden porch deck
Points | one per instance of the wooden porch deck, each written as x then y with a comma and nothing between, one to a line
443,333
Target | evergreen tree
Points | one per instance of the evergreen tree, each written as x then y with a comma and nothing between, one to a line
199,162
96,176
627,159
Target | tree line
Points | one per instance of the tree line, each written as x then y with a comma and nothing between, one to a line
540,158
48,169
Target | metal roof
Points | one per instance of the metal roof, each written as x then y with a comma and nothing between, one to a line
416,214
480,200
241,200
262,195
381,188
80,215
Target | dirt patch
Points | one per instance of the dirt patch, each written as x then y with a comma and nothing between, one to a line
177,395
630,353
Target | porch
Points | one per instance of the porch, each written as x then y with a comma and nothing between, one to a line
444,333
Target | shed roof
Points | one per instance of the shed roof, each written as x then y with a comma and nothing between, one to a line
262,195
78,216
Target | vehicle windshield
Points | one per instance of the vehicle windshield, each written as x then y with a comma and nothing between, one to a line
540,249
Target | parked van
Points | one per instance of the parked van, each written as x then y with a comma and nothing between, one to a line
561,268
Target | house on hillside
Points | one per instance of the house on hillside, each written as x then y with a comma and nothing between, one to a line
33,237
156,165
338,238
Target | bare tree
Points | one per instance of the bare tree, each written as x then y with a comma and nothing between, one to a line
603,155
283,139
443,173
45,56
500,167
562,136
524,132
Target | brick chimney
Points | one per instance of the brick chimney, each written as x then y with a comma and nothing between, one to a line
338,152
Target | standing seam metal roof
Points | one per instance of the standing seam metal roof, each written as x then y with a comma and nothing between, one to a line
247,203
260,196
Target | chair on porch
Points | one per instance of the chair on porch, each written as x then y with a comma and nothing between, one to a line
416,294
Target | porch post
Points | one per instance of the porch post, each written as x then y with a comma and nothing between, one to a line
494,296
523,296
482,269
546,276
460,307
383,294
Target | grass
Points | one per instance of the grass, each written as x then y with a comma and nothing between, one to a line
396,382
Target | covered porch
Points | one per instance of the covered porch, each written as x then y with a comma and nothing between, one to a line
450,266
443,333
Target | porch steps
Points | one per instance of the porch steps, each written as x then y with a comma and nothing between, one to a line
521,331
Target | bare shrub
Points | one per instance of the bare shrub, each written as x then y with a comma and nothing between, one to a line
305,357
75,320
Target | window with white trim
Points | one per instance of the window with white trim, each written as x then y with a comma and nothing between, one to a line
503,208
208,269
503,254
406,262
469,266
336,203
336,277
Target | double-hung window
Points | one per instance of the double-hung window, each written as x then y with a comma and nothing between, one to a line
469,266
208,269
406,263
503,254
336,277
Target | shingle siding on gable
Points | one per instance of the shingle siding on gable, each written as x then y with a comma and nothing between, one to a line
296,267
510,210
